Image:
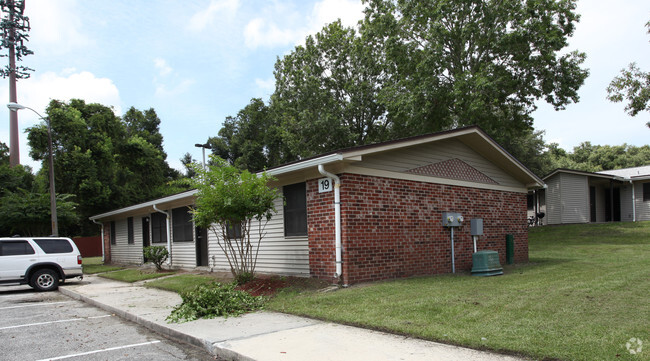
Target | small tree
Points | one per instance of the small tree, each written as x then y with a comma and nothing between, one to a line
231,203
156,255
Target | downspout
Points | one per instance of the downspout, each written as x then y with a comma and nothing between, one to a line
337,217
633,203
169,238
103,244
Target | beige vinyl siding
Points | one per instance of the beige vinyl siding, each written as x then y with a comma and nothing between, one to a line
626,203
277,253
421,155
553,201
183,253
121,251
574,198
642,208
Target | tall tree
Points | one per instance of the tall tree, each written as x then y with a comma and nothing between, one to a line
15,32
451,63
105,161
632,85
326,94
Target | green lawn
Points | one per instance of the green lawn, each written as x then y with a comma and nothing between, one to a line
583,295
134,275
182,283
92,265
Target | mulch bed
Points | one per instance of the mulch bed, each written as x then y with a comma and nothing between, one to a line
270,285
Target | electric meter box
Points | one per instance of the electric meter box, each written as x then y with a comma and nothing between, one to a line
476,225
451,219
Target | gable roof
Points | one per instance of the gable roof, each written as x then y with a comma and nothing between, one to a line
473,137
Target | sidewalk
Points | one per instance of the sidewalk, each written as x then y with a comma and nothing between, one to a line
262,335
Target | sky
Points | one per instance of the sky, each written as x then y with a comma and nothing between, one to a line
198,61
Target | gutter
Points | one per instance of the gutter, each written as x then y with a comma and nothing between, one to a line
103,244
169,238
633,201
337,217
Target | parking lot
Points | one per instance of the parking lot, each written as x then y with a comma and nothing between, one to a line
51,326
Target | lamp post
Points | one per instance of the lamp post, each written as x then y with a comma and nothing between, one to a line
55,224
203,148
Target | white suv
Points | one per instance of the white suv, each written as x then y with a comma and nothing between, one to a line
40,262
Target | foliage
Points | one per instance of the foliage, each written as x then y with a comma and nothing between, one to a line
632,85
595,158
106,161
29,213
156,255
210,301
414,67
227,202
15,32
582,297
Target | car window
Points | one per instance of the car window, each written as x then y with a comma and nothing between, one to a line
15,248
49,245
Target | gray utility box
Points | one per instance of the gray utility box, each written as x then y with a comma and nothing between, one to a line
451,219
476,224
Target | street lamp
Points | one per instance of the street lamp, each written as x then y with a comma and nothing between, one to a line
203,148
55,224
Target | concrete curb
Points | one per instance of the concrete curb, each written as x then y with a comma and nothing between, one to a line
161,329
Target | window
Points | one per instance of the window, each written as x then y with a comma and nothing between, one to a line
113,232
129,224
646,192
182,225
54,245
233,230
295,209
158,228
15,248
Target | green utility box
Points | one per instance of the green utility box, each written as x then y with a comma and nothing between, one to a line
510,249
486,263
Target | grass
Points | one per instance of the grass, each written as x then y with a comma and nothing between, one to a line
583,295
93,265
182,283
134,275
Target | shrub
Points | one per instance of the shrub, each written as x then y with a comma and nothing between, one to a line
209,301
156,255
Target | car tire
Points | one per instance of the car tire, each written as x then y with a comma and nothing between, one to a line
45,280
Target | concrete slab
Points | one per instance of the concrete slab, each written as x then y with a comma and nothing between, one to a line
262,335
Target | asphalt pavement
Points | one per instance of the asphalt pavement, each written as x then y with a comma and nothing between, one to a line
263,335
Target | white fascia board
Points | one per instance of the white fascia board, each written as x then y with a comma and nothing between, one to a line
145,205
310,163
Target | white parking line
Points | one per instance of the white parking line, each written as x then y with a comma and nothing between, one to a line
51,322
98,351
35,304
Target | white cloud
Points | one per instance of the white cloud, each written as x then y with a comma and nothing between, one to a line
327,11
56,26
162,66
261,32
202,19
163,90
265,31
37,91
265,87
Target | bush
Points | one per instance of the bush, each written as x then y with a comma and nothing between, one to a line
156,255
209,301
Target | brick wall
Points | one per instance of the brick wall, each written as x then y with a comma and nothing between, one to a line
392,228
107,242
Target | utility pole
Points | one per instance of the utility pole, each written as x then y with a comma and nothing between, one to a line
15,28
14,147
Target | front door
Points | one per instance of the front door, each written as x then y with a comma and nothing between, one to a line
201,246
146,238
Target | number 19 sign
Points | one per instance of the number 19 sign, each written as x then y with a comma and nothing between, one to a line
325,185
